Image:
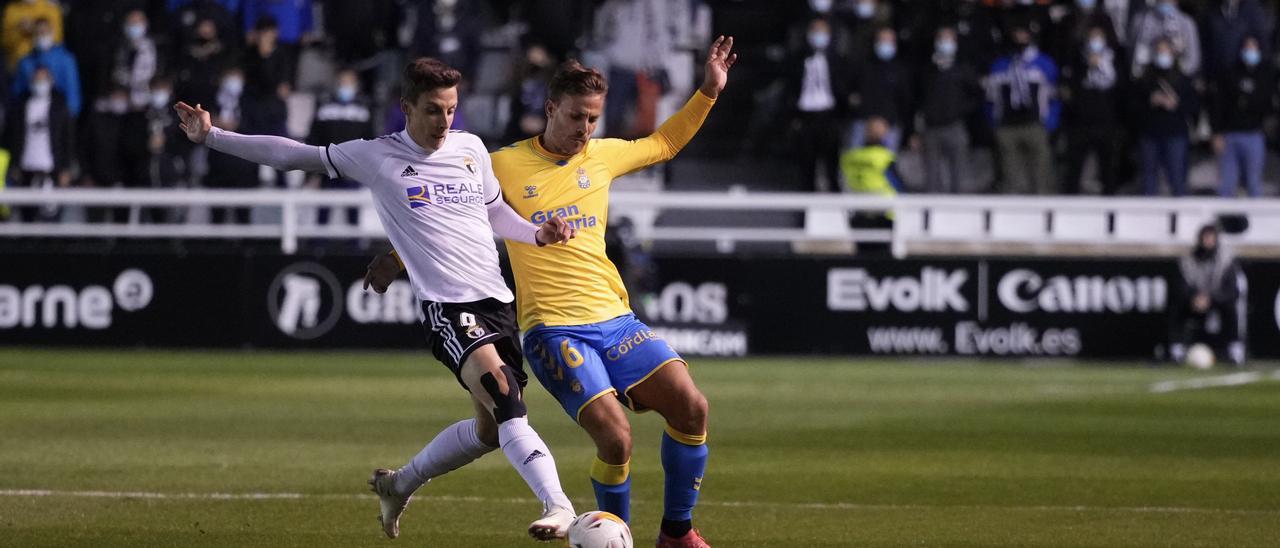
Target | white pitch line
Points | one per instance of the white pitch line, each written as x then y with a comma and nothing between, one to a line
726,504
1199,383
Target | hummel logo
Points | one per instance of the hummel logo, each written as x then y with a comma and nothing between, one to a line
408,172
536,454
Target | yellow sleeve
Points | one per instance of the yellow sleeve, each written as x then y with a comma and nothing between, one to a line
662,145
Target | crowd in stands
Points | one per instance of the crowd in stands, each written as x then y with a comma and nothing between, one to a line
1044,87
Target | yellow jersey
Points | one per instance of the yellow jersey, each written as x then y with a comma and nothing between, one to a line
575,283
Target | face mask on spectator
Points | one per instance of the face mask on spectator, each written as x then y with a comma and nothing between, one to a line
1251,57
819,40
233,86
885,50
160,98
1164,60
44,42
865,10
41,88
1167,8
135,32
1097,45
1086,4
820,6
945,48
345,94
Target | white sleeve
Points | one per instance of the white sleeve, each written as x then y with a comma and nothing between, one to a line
492,188
505,221
510,225
279,152
342,160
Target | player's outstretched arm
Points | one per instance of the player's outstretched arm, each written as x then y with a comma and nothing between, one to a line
510,226
278,152
384,269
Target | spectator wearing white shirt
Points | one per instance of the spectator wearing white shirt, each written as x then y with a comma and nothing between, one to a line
817,90
38,136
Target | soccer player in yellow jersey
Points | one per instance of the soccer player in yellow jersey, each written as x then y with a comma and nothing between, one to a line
582,340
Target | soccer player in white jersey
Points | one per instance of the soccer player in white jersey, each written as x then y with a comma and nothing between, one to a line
438,201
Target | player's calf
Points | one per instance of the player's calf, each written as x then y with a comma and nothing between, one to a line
526,452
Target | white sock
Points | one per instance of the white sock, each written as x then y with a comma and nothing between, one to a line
1236,351
532,459
452,448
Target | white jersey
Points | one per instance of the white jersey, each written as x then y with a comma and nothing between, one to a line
433,208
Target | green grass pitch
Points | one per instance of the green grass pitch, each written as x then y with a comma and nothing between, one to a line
138,448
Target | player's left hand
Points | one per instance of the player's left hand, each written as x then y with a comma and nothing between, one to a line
194,121
381,272
555,231
719,60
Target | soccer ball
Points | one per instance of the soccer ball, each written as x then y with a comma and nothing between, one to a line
1200,356
599,530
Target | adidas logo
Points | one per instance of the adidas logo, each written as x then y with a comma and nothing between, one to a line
408,172
536,454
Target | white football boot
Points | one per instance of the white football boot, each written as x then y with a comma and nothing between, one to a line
392,505
553,524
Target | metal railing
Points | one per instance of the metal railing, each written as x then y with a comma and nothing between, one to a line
921,223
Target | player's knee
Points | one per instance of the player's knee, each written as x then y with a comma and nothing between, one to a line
616,447
699,408
688,413
695,413
613,440
507,400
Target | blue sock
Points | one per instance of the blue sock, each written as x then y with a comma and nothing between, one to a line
612,484
684,459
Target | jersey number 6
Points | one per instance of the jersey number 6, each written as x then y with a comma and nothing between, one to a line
572,357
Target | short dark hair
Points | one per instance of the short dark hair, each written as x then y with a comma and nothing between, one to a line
426,74
266,22
574,79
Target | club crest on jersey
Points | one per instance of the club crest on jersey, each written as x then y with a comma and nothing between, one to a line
584,182
409,172
418,196
530,191
470,164
475,332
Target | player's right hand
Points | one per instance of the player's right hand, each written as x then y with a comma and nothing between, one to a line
194,121
555,231
381,272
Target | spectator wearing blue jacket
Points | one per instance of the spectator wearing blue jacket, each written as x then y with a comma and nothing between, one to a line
291,22
1022,105
60,62
173,6
293,17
